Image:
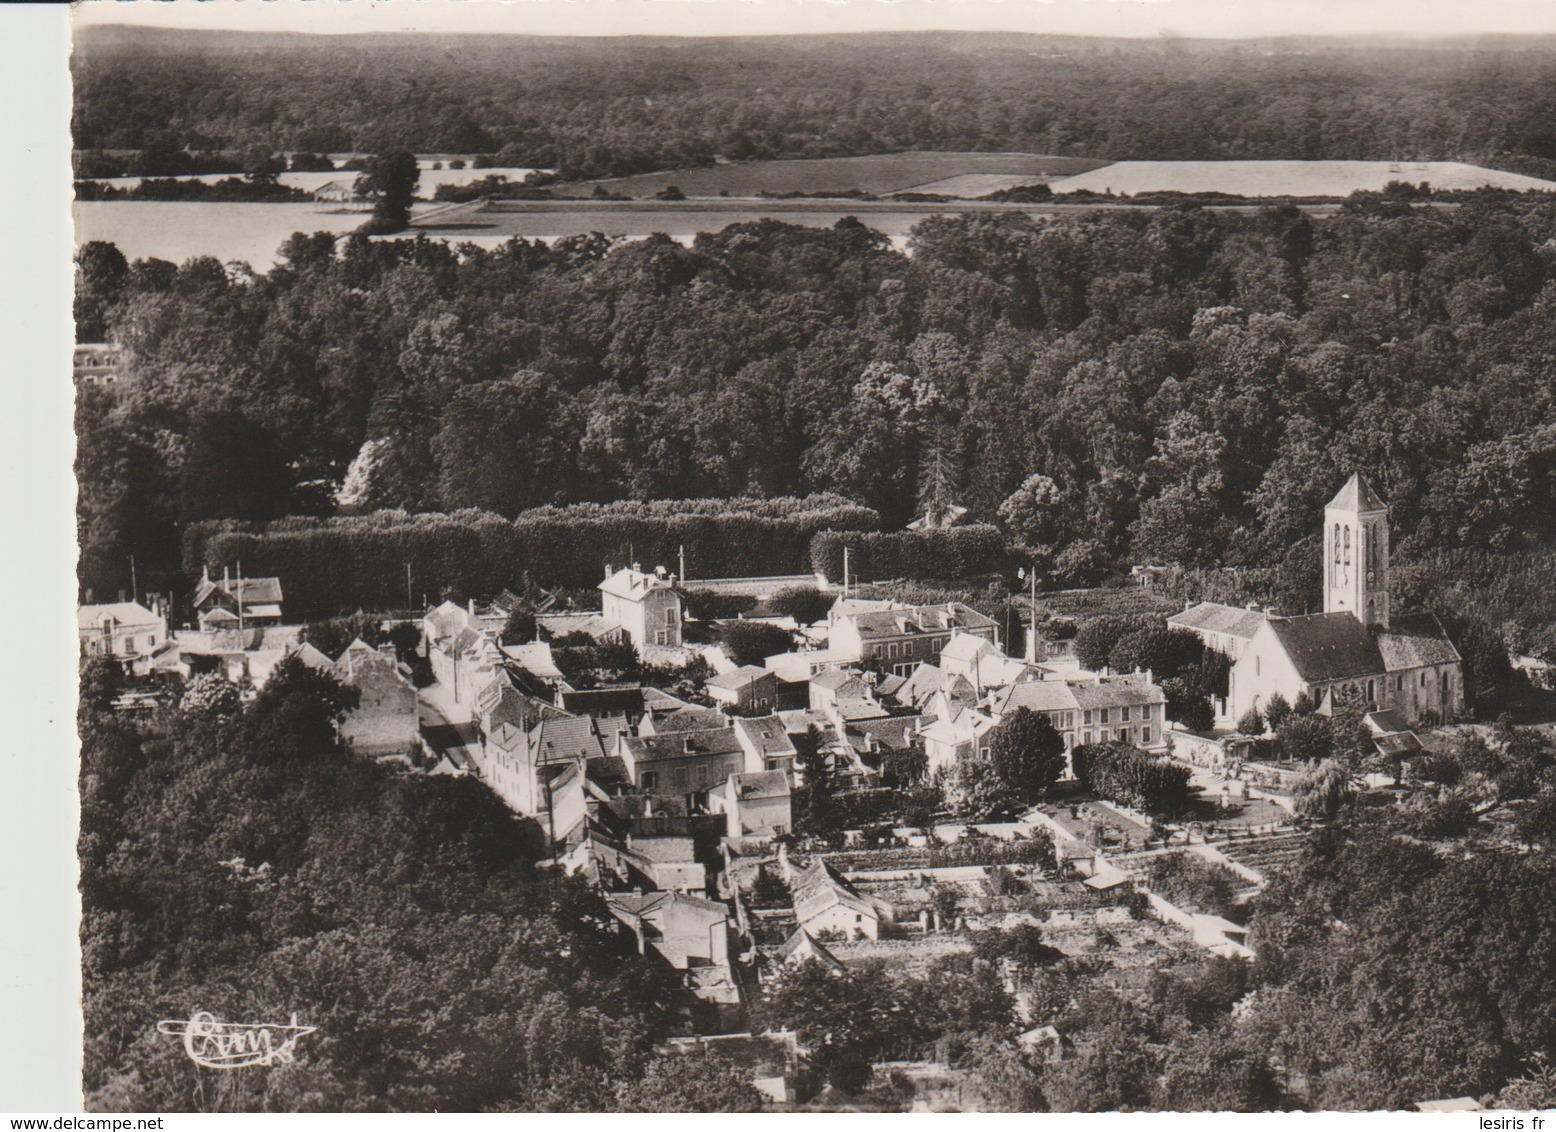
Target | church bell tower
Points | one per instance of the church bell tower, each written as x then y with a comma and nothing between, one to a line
1356,554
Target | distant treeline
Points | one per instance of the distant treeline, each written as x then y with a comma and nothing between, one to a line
616,107
227,190
328,565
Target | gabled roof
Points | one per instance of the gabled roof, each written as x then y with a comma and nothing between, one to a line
558,740
659,701
802,945
534,658
1115,693
966,647
690,718
821,887
247,591
766,733
890,685
923,682
1035,695
684,744
619,700
633,585
894,733
753,786
1357,495
446,619
737,678
1328,646
919,619
130,614
1414,642
1213,617
834,678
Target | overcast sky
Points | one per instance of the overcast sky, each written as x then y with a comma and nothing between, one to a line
1224,18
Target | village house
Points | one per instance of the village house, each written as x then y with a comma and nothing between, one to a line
96,364
840,695
957,733
646,606
980,662
755,804
683,764
747,689
521,764
826,904
1356,649
1094,708
800,947
1225,628
237,603
124,630
689,933
766,744
385,720
897,640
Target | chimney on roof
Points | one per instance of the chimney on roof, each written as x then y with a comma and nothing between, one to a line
226,579
637,567
609,570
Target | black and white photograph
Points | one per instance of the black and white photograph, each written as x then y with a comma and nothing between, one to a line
813,558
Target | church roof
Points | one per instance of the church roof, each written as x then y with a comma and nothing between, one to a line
1357,495
1415,642
1328,646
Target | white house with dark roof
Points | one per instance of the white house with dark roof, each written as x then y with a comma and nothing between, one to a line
646,606
1122,708
1356,649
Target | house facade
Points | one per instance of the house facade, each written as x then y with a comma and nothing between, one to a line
124,630
237,603
385,721
898,640
747,689
646,606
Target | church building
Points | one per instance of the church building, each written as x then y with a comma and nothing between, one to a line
1357,649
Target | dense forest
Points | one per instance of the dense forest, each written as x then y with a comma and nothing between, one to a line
236,859
1179,385
594,108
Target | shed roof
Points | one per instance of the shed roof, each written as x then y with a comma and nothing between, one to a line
1415,641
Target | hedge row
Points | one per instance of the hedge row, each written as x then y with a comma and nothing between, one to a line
1156,785
957,552
357,562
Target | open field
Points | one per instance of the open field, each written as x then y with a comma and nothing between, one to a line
878,173
1289,178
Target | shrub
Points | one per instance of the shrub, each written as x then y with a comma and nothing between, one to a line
1125,774
952,553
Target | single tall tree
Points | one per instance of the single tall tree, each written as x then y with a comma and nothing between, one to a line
389,181
1026,752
